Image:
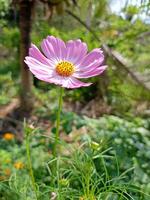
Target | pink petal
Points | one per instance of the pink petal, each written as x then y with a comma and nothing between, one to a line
35,53
42,78
47,49
76,50
74,83
40,70
58,46
56,79
88,74
37,64
92,66
54,48
66,82
94,57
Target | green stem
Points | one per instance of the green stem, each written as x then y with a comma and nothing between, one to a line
58,121
30,166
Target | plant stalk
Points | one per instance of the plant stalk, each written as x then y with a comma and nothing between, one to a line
58,121
30,166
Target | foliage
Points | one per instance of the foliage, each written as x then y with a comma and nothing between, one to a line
130,139
97,165
4,6
9,87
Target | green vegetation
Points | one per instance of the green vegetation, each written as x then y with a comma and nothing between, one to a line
106,158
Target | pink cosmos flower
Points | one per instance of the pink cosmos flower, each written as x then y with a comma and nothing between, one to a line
63,63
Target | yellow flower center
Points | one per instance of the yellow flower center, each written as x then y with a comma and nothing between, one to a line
65,68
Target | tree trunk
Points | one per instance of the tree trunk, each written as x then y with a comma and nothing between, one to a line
26,9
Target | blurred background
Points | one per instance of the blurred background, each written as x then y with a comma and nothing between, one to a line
116,106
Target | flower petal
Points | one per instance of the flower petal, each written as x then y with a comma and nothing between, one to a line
40,70
55,78
35,53
47,49
66,82
54,48
92,59
72,82
76,50
88,74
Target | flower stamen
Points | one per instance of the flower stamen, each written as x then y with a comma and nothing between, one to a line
65,68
